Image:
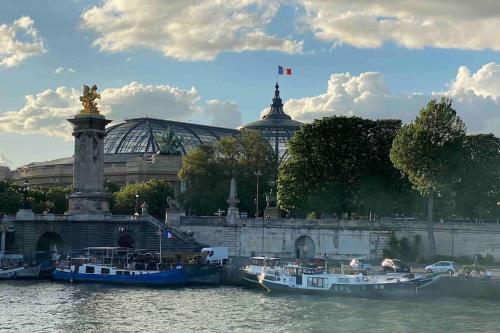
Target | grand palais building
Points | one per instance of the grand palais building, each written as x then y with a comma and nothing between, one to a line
131,149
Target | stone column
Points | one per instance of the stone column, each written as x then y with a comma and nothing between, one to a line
88,195
233,212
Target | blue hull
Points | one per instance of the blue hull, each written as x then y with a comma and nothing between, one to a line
164,278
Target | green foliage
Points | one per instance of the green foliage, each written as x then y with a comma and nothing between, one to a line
403,248
169,143
208,171
154,192
10,199
57,197
341,164
477,193
111,188
41,199
429,150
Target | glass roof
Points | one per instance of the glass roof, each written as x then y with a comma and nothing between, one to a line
138,135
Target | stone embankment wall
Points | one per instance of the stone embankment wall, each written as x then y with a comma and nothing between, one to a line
340,239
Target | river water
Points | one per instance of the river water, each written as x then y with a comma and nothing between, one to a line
41,306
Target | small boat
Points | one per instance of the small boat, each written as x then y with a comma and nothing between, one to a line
29,272
14,266
119,266
9,273
258,265
314,280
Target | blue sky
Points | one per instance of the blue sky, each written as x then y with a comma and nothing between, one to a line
146,57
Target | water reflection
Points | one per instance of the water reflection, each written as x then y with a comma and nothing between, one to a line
45,306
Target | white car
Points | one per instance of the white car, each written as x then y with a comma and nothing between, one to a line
359,263
442,267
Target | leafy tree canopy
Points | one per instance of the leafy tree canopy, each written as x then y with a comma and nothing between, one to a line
341,164
478,191
429,150
207,171
154,192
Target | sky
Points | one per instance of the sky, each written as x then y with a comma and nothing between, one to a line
215,62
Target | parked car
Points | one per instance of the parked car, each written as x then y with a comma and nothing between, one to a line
359,263
442,267
395,265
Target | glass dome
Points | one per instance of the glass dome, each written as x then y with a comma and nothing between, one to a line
276,126
138,135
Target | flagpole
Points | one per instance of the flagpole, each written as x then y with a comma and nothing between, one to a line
161,236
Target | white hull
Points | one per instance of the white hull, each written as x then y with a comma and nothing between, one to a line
29,272
10,273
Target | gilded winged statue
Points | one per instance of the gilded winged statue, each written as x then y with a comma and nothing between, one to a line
88,98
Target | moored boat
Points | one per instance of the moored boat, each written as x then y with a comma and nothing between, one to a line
29,272
256,266
119,266
314,280
9,273
14,266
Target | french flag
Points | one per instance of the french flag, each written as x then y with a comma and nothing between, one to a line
284,71
167,234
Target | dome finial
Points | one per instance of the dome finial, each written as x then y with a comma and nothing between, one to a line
277,90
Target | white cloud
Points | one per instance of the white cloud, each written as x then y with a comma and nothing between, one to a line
223,113
60,70
160,101
46,112
461,24
475,97
187,29
18,41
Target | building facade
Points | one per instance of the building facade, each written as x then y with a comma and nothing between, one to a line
132,154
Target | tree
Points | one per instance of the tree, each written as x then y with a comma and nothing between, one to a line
10,199
57,198
154,192
341,164
210,167
478,191
429,152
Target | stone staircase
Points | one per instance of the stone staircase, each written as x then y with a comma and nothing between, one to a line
179,242
382,243
232,240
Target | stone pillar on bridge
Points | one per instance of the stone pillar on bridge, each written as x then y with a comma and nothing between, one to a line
233,213
88,197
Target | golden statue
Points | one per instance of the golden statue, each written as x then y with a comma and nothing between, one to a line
88,98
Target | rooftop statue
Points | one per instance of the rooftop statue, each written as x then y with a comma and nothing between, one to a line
88,98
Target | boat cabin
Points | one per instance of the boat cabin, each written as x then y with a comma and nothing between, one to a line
264,261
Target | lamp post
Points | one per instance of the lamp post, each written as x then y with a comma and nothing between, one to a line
136,204
257,173
67,202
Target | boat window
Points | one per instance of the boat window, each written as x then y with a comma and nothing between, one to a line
104,270
89,269
119,272
316,282
126,272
